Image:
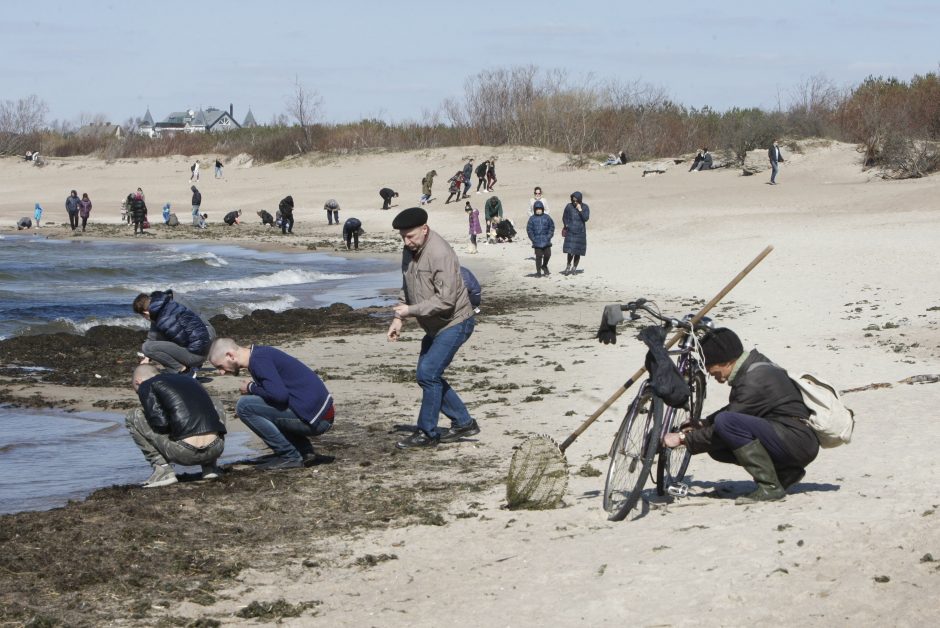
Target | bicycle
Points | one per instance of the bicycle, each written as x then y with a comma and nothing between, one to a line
640,437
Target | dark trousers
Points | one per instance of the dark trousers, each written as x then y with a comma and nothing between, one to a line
386,202
287,224
73,219
352,237
542,255
737,430
332,215
480,182
84,222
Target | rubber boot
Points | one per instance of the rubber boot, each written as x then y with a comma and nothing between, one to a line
790,476
756,461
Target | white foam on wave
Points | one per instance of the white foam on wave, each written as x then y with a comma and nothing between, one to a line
289,277
176,255
243,308
117,321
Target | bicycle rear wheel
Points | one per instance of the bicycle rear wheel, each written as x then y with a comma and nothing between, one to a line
631,455
673,464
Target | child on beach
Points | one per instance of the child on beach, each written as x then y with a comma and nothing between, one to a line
456,183
540,230
37,214
475,229
426,183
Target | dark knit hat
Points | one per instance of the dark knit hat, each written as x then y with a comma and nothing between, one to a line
537,205
410,218
721,345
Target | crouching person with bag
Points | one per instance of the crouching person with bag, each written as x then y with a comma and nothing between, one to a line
763,428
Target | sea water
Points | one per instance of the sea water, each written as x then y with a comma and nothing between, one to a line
48,456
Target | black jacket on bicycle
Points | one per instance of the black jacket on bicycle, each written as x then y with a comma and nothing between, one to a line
762,389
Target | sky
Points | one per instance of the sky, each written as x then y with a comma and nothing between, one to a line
399,61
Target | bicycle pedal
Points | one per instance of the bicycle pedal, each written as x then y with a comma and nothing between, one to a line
678,489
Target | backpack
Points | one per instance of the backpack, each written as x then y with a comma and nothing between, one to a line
832,421
474,290
173,221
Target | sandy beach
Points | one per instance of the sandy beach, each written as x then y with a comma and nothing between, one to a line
381,537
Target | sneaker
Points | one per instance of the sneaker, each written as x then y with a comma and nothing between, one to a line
280,462
211,472
314,459
456,433
545,271
417,440
538,273
163,475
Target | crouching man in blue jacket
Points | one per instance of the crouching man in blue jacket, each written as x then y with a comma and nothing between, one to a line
284,403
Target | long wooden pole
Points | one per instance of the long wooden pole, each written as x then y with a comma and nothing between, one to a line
675,338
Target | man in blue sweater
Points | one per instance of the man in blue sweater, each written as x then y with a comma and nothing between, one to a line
284,403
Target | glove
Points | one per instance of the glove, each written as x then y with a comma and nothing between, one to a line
609,321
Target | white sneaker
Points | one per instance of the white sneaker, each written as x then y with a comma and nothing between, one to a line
163,475
211,472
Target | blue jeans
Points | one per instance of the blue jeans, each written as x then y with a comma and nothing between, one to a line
436,354
774,167
280,429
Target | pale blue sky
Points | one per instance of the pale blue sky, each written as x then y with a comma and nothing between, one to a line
396,60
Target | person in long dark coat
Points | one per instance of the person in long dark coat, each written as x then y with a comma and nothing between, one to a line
575,231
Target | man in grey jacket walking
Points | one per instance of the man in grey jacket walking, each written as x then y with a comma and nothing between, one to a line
434,294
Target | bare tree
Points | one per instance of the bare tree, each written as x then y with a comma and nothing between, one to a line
26,115
20,124
304,106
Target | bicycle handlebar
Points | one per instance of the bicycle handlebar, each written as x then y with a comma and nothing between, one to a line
641,304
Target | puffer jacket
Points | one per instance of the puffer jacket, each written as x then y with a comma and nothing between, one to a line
433,287
178,324
764,391
84,208
540,230
574,222
178,406
138,209
72,203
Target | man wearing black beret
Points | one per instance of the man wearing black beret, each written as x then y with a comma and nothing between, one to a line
763,428
433,293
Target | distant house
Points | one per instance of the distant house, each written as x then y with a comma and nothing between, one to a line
210,120
249,121
146,126
101,129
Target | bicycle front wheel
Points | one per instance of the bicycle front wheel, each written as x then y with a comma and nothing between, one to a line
673,464
631,455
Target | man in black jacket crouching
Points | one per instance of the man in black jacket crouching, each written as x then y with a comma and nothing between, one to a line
177,423
763,428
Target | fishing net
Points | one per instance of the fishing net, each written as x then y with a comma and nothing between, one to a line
538,475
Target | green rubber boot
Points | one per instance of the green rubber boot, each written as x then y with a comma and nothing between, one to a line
756,461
